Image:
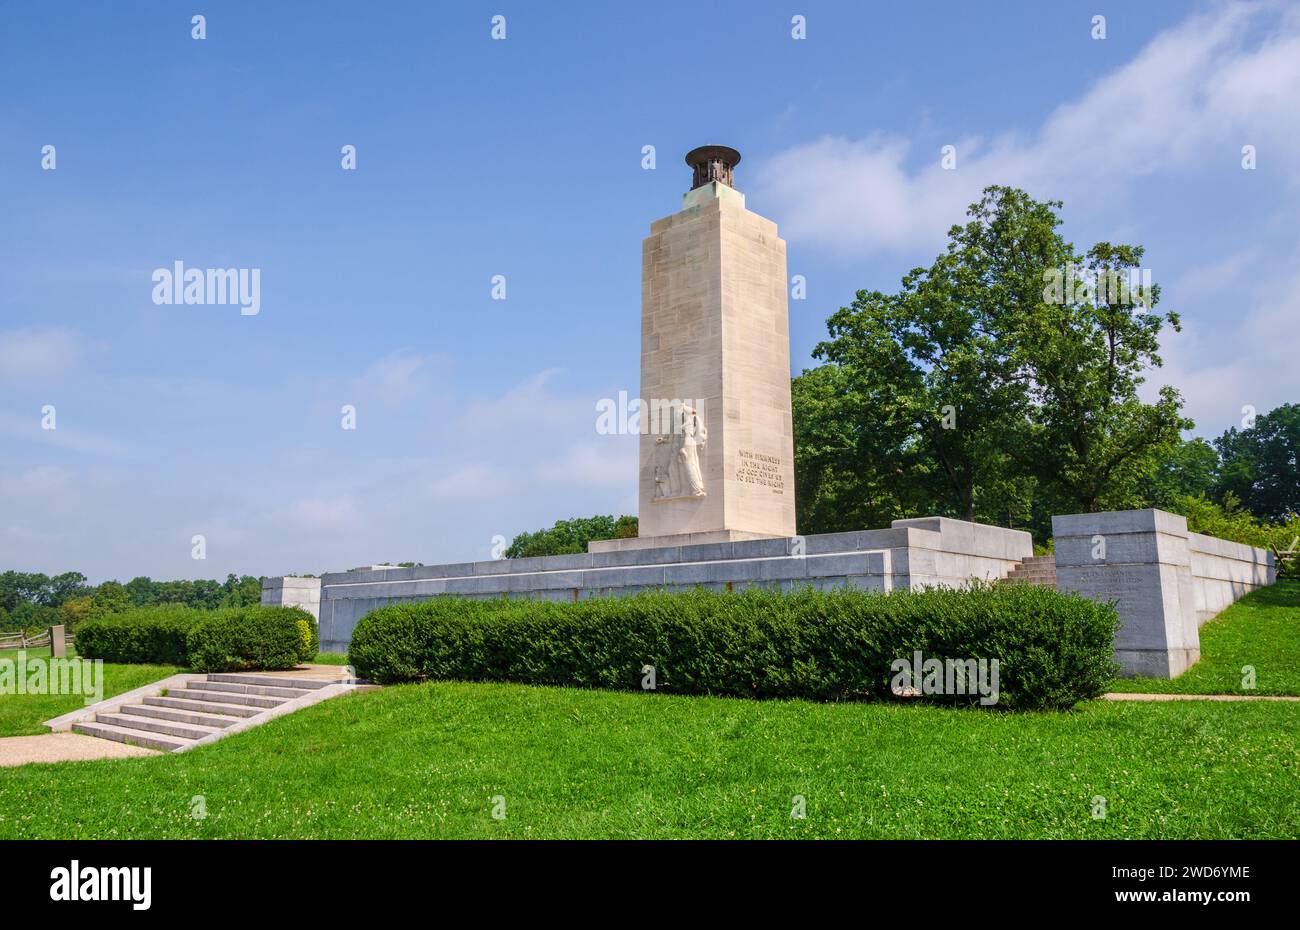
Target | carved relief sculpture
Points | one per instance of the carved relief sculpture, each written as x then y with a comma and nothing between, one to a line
693,435
677,469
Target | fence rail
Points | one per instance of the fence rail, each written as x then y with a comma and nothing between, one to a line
21,640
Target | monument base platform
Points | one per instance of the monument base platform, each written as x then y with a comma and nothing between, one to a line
911,554
675,539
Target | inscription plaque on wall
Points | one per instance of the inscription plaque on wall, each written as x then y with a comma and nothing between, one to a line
760,470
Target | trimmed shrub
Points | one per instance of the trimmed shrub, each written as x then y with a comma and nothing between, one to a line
141,635
308,636
1053,649
230,639
241,639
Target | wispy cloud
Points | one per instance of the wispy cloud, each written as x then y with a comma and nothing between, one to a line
1221,79
40,353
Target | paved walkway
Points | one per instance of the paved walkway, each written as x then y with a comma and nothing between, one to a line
1121,696
315,672
63,747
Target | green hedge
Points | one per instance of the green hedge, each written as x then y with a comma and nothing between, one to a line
1053,649
141,635
225,640
246,638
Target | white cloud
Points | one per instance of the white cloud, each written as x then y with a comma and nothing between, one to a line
1217,277
67,433
1195,94
602,461
1248,358
40,481
40,353
473,482
324,514
398,377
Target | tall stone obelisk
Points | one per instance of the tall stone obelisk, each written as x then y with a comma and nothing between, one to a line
717,447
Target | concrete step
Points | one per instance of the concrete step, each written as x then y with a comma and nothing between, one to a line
192,693
240,688
203,707
218,721
190,731
272,681
130,735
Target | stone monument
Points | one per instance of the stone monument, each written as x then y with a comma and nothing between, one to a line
717,442
716,480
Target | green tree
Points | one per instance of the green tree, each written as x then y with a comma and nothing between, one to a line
143,591
1189,470
18,588
241,591
65,586
852,469
1261,463
110,597
1085,350
569,536
977,391
74,610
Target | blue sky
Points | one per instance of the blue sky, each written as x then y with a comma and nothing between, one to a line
522,158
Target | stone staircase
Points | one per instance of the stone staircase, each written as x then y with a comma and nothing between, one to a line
199,709
1037,569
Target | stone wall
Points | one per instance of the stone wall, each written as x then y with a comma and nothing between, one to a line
1222,571
912,553
1164,580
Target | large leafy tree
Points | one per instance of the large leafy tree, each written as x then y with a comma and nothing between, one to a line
1189,470
928,374
1085,352
979,392
569,536
1261,463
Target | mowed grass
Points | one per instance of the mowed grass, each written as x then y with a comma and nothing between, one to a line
331,658
428,760
1262,630
24,714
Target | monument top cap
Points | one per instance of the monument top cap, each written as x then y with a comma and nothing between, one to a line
712,163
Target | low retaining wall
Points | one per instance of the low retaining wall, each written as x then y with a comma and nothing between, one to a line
1165,581
1222,571
912,553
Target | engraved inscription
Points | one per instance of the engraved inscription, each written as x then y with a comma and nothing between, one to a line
762,470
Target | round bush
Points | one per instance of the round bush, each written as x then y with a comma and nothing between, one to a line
247,638
1053,649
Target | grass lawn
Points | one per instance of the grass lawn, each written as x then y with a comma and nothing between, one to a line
427,760
331,658
23,714
1261,630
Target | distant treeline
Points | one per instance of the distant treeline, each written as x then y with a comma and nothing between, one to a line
32,600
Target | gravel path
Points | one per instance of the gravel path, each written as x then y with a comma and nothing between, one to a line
63,747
